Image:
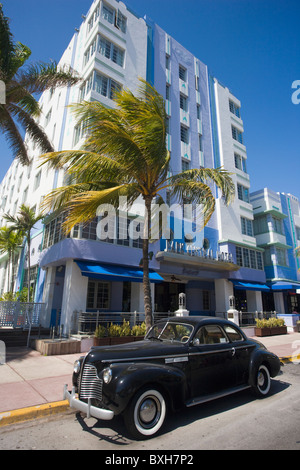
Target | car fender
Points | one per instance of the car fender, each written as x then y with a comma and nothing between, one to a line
128,378
263,356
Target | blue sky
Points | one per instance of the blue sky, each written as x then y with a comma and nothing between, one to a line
251,46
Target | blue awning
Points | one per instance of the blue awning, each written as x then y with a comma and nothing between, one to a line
284,286
111,272
244,285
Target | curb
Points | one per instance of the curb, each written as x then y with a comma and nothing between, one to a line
32,412
290,359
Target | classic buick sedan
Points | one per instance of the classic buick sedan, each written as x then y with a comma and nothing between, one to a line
183,361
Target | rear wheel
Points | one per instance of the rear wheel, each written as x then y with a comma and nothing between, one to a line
146,413
263,381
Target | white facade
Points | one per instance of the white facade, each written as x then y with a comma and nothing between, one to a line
111,49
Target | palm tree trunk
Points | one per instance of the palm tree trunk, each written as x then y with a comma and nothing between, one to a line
8,273
146,282
28,267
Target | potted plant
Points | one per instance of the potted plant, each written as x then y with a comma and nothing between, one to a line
262,327
118,334
277,326
101,336
272,326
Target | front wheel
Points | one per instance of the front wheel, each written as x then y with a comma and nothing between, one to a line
263,381
146,413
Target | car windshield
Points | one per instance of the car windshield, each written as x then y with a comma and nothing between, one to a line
170,331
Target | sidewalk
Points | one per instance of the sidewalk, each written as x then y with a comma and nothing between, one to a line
31,385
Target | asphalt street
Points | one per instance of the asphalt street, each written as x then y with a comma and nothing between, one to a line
237,422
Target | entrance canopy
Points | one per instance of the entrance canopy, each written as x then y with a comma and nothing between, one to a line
112,272
244,285
283,285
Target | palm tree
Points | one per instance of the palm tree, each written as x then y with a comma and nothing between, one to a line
10,242
21,108
24,223
125,154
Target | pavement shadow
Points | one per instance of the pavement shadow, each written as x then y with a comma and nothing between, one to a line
118,434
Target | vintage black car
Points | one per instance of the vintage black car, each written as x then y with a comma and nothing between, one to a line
183,361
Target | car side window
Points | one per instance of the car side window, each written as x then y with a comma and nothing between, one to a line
211,334
233,334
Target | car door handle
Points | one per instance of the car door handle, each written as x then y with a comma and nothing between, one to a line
232,352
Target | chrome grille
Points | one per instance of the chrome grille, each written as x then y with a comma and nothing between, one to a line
90,384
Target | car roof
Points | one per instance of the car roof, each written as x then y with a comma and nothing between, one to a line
197,320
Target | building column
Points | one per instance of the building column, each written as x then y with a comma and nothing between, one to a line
48,295
137,297
74,297
223,290
254,301
279,302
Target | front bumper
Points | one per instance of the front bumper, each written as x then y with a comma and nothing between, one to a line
87,408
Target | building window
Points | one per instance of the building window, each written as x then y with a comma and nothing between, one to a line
105,86
37,180
277,225
240,162
182,73
48,117
108,13
237,135
281,256
98,295
183,103
185,165
246,225
114,17
89,230
260,225
234,109
248,258
184,134
111,51
206,300
121,21
243,193
168,62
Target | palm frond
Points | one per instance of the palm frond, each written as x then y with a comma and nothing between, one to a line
40,76
13,136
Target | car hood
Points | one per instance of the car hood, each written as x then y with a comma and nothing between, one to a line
138,350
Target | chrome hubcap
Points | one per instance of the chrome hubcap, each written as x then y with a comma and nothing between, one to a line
260,379
149,412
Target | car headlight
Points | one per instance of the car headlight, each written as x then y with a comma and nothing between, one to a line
77,366
107,375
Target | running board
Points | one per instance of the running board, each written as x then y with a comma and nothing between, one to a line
214,396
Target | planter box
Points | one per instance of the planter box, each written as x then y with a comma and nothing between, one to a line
276,330
57,347
113,340
279,330
262,331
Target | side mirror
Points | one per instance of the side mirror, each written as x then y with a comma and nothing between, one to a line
196,342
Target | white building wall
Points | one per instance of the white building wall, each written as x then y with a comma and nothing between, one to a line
229,218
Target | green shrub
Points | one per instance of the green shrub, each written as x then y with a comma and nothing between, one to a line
100,332
270,323
120,330
139,330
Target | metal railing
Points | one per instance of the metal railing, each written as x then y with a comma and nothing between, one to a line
87,322
248,318
20,314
